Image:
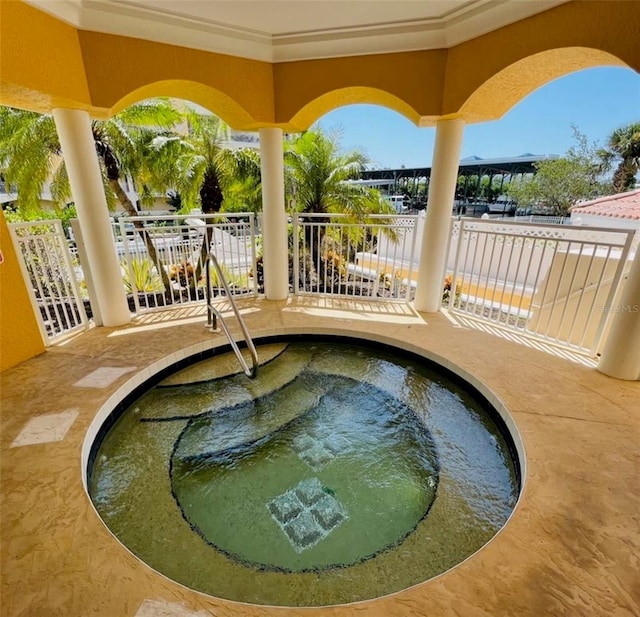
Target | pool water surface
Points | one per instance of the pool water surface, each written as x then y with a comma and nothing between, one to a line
342,473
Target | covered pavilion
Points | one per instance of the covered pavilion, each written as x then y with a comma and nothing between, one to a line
507,166
273,67
272,71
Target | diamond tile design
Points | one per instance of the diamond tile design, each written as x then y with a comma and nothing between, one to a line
307,513
335,443
309,491
303,532
317,447
325,512
303,442
317,456
285,507
46,428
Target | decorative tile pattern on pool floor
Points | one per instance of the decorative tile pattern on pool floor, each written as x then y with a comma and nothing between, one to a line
307,513
316,448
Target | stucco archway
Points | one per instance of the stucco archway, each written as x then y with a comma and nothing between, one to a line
219,103
508,87
363,95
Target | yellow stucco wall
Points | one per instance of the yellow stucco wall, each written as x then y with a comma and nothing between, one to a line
238,90
411,83
40,60
46,63
20,337
488,75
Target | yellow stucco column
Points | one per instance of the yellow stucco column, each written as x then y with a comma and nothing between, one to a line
274,217
78,150
435,239
621,353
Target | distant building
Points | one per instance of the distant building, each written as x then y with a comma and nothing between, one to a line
621,211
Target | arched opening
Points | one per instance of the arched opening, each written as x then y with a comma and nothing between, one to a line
505,89
326,103
216,101
596,100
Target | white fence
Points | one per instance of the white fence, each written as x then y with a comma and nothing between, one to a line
335,256
544,220
163,258
551,282
50,276
548,281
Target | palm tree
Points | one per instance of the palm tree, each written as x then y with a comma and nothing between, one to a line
203,170
31,156
199,160
317,172
124,147
242,184
623,146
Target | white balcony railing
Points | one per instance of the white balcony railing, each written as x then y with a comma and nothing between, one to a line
51,278
334,256
551,282
163,259
544,220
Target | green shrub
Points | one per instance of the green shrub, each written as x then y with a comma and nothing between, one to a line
145,277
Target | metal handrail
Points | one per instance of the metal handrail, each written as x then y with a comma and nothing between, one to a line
252,371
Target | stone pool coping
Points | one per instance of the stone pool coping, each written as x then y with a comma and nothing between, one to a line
568,548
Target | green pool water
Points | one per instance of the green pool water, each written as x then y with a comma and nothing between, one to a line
340,474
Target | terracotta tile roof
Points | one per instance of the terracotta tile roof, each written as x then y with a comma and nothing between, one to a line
622,206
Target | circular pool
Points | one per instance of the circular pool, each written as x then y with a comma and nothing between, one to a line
341,473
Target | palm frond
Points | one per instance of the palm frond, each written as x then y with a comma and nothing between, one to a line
30,149
60,188
159,113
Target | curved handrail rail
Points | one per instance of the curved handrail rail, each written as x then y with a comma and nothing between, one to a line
252,371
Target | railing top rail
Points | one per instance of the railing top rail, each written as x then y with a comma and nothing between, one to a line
336,224
26,224
183,217
312,215
506,222
589,234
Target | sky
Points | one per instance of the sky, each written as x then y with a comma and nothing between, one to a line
596,101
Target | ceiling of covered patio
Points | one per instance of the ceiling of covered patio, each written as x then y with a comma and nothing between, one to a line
280,63
283,30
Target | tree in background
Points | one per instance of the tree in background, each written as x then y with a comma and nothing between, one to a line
623,147
124,148
242,184
559,184
31,156
317,172
488,189
204,173
193,160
